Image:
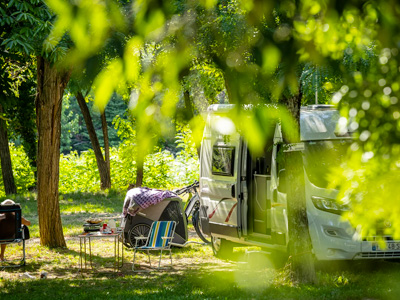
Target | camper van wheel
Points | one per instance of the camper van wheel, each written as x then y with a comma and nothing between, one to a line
197,226
139,230
221,247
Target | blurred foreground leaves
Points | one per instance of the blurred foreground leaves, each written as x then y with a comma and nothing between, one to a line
260,49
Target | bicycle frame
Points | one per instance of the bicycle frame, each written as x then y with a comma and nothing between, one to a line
193,201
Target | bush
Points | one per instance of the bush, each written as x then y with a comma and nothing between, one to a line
79,173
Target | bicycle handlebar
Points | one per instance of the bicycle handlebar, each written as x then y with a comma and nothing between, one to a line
188,188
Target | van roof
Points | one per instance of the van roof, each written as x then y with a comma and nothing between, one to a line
317,122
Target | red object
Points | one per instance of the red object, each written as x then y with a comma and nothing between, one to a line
104,226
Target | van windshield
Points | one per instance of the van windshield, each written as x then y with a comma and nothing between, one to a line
320,157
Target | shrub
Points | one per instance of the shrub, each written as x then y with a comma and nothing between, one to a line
79,173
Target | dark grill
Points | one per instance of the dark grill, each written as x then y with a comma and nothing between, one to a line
379,254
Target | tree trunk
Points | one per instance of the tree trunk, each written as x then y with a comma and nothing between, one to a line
5,157
50,88
300,247
106,145
104,172
139,172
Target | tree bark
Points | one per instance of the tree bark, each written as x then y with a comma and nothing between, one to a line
139,172
106,145
50,88
5,157
104,171
300,248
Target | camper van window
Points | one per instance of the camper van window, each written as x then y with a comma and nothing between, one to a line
223,160
320,157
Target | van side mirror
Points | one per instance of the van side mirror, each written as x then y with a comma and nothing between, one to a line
282,186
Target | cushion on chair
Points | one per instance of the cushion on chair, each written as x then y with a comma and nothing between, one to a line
159,230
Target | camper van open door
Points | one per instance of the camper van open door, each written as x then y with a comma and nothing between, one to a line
219,176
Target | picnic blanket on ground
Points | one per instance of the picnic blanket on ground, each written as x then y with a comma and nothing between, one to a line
140,198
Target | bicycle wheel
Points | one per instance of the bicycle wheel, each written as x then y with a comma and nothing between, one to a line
139,230
197,226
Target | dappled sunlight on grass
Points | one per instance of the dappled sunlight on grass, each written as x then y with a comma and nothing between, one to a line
83,208
196,273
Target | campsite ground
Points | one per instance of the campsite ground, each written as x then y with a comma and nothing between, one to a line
196,272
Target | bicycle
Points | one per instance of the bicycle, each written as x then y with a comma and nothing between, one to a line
192,207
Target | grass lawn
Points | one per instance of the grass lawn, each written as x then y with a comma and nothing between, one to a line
196,273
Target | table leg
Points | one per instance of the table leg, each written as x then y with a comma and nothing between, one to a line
84,241
115,254
90,252
80,253
122,252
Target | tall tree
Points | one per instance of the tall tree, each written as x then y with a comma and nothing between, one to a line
26,24
51,83
7,99
103,164
5,157
104,127
26,27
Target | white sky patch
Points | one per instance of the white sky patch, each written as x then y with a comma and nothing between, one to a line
133,101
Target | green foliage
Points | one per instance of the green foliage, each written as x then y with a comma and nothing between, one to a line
318,84
205,83
157,168
24,25
78,173
74,135
23,171
70,125
161,168
369,180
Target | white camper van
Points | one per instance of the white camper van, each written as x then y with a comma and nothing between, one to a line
243,197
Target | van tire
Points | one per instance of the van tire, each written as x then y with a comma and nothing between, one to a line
222,248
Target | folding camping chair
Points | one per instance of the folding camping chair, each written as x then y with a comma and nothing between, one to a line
160,236
18,234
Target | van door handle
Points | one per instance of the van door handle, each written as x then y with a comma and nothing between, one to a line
233,191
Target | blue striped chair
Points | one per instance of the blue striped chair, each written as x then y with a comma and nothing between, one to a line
160,237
